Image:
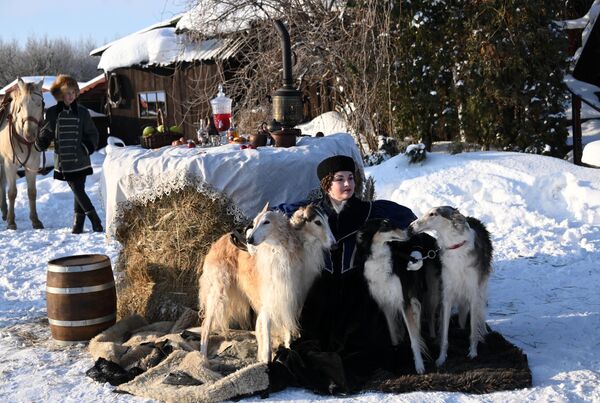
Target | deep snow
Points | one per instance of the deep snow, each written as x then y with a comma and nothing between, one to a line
544,216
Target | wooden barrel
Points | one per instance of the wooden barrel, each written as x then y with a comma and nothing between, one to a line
80,296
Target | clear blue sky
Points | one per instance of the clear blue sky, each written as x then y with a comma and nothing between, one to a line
100,20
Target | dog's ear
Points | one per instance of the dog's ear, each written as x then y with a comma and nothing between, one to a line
458,220
297,219
266,208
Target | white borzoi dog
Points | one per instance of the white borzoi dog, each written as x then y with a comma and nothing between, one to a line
466,256
397,279
287,256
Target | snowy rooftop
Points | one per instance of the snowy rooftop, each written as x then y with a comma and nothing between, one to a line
211,21
48,80
586,23
162,47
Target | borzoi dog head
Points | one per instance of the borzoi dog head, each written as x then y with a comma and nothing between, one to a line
440,219
380,231
314,224
267,226
376,232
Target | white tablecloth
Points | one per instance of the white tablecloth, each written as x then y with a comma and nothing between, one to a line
249,177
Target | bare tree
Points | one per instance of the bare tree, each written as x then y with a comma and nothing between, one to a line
10,61
43,56
342,46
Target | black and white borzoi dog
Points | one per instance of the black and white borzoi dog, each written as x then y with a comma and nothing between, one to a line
466,255
401,284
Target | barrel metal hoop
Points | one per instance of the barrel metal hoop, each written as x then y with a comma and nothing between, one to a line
80,290
79,323
55,268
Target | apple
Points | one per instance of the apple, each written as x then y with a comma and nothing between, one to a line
191,144
176,129
148,131
161,129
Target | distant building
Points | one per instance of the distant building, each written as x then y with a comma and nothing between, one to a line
157,68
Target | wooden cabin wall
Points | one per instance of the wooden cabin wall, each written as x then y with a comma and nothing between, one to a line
321,99
178,85
181,85
95,99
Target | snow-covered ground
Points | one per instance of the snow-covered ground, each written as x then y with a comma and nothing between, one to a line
543,213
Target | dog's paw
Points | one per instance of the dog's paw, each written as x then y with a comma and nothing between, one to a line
420,369
441,360
472,353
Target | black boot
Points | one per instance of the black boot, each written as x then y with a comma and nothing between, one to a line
95,220
78,223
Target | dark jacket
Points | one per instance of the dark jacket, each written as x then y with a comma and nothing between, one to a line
344,335
75,138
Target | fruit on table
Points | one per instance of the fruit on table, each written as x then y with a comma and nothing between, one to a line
161,129
176,129
148,131
191,144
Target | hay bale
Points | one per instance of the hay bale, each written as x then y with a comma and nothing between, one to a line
163,247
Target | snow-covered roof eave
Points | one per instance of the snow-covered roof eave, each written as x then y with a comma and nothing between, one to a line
163,47
91,84
586,23
171,22
48,80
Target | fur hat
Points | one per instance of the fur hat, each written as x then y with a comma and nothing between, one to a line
61,84
335,164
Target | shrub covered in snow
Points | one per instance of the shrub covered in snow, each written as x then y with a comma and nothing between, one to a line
416,153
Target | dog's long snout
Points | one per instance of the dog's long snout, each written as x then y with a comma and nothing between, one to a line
400,235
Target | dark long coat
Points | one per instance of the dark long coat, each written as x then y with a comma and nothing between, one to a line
344,336
75,138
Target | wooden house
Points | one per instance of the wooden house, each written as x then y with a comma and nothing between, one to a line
157,68
161,67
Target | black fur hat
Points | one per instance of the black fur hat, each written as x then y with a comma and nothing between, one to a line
335,164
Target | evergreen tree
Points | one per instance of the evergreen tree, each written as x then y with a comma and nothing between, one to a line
486,71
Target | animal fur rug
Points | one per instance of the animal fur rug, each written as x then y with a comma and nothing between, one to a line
161,361
499,365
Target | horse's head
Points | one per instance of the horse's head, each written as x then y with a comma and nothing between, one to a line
27,109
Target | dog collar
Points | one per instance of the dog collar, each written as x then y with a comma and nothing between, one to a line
458,245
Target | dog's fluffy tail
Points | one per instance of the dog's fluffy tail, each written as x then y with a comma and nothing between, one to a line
220,299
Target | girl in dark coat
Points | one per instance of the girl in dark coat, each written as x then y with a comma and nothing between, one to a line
75,138
344,335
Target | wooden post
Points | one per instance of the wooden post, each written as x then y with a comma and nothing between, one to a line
576,122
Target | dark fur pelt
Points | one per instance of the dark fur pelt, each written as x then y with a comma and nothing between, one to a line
107,371
483,242
499,366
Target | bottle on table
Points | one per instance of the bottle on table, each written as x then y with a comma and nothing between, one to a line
232,132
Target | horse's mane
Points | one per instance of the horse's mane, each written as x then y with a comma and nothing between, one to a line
29,87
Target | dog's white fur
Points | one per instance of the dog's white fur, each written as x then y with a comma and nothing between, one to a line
386,289
465,271
287,256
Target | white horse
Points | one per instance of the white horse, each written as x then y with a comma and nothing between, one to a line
18,133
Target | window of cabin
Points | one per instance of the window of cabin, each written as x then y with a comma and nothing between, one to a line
150,102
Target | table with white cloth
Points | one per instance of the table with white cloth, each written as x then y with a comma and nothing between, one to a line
249,177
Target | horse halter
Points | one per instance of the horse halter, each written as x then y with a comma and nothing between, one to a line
19,137
38,122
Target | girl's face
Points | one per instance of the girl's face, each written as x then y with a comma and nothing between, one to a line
69,96
342,186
